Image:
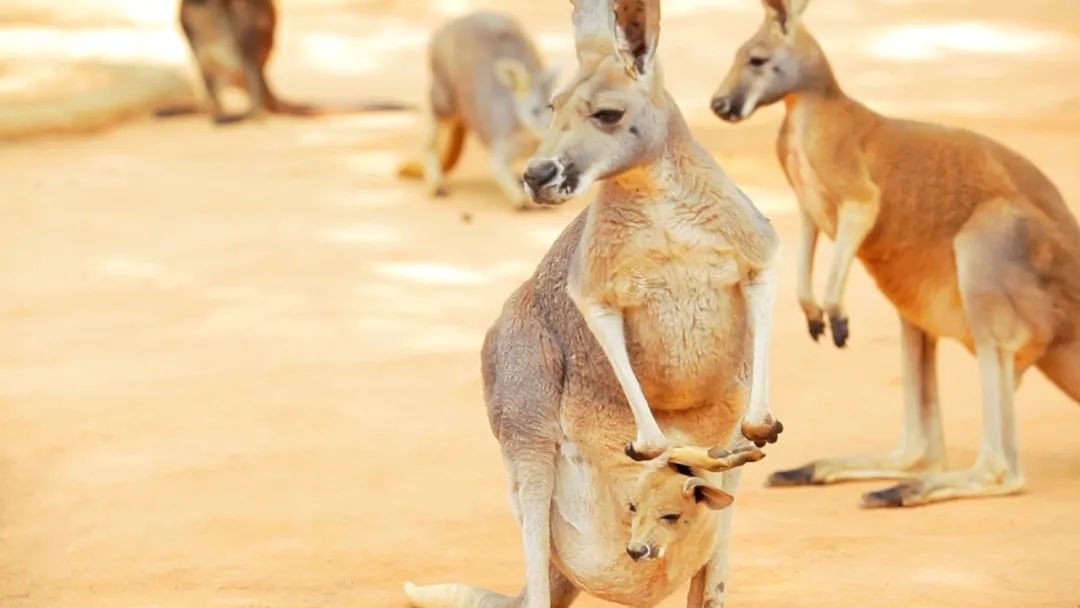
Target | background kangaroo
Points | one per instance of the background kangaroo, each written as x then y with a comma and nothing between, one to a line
649,317
487,77
232,41
965,237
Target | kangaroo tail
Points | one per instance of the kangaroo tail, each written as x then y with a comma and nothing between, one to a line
449,155
279,106
456,595
177,110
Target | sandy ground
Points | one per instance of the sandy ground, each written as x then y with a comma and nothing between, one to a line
238,367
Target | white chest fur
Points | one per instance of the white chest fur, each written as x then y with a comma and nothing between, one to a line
804,179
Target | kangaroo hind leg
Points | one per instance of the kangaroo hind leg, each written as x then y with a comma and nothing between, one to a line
1007,313
922,445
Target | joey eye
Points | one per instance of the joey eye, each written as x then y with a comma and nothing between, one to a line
670,518
632,507
608,117
550,107
757,62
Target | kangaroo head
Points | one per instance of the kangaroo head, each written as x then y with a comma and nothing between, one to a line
779,59
612,116
668,500
531,92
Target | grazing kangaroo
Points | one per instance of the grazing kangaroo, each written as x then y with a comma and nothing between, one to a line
965,237
232,41
649,318
486,77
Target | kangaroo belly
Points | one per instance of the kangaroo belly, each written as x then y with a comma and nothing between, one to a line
687,331
922,283
590,529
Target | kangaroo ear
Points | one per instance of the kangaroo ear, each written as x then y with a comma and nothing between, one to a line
712,496
784,14
513,75
637,30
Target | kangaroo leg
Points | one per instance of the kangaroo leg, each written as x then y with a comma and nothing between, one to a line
439,127
433,170
996,287
503,154
922,446
759,425
247,40
808,236
709,587
854,223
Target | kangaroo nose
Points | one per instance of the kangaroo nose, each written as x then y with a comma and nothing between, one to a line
720,105
637,551
538,175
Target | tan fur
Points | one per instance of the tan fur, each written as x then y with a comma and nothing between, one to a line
486,77
965,237
681,256
231,41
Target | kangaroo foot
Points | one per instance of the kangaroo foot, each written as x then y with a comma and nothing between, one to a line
936,487
839,328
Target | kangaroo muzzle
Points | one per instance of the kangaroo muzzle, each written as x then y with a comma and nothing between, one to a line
728,107
550,181
639,551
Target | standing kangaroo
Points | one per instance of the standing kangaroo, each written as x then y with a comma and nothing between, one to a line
231,41
487,77
649,318
965,237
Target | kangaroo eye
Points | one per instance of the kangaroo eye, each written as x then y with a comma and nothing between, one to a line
757,62
670,517
632,507
608,117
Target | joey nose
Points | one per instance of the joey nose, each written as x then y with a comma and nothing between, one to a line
539,174
637,551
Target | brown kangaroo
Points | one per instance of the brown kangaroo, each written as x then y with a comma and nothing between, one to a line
231,41
965,237
649,319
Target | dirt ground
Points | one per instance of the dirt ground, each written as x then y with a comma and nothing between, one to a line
239,366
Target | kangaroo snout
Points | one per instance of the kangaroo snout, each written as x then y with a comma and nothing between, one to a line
725,107
550,181
638,551
540,173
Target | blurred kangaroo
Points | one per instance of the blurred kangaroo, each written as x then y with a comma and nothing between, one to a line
965,237
231,41
487,77
649,318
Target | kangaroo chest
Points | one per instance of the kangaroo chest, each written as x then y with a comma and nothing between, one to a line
809,188
678,286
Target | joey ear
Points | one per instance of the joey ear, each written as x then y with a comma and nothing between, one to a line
513,75
712,496
784,14
637,31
